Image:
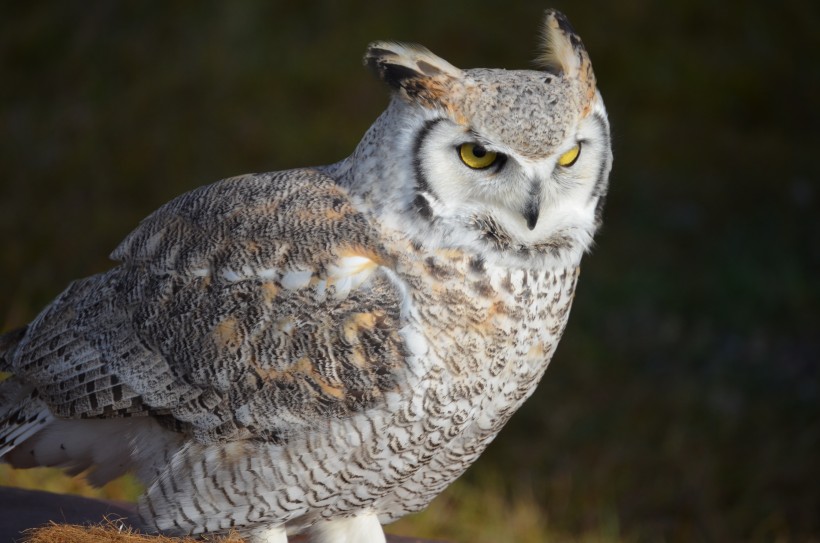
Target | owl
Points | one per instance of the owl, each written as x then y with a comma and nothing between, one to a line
324,350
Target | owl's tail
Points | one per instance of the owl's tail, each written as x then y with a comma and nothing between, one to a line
31,436
22,413
8,343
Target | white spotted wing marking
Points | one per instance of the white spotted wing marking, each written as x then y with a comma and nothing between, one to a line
268,274
346,274
230,275
296,279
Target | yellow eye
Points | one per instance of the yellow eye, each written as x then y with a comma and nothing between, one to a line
568,159
475,156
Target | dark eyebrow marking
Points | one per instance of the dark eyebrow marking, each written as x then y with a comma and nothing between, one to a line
422,185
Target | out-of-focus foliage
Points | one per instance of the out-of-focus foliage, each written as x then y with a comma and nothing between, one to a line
682,404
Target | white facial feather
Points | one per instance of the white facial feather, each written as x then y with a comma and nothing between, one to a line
456,193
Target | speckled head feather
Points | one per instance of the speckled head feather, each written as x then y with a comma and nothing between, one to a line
483,100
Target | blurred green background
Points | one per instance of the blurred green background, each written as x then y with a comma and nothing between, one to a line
682,404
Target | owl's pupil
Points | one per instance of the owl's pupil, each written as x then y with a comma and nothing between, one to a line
479,151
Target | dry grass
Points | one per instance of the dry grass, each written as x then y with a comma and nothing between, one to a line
113,532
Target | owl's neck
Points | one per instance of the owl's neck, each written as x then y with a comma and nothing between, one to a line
378,174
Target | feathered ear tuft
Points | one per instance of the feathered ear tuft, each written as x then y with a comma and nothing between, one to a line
411,68
558,45
396,63
563,52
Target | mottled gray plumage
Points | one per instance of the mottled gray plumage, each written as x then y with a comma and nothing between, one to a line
327,349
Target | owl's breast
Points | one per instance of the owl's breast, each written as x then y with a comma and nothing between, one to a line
481,322
477,340
487,332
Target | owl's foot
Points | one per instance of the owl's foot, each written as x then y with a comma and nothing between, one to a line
360,529
269,535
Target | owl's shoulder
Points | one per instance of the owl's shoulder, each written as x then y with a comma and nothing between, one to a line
291,218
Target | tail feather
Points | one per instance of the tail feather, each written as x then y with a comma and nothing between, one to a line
31,436
22,414
8,344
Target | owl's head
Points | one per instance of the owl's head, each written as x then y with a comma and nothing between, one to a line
513,163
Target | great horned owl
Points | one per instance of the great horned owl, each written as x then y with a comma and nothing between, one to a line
326,349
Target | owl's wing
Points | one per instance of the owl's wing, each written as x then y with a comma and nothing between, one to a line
252,307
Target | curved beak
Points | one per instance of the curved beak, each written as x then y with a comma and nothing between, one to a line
532,209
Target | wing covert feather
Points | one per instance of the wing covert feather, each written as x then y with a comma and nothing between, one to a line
232,316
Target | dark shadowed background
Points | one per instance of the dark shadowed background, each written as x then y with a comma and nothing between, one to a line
682,404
